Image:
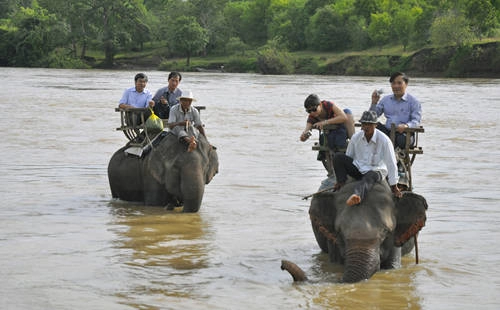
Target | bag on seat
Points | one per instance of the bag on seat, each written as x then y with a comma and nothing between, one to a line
153,124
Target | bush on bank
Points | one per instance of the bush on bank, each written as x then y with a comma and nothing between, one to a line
479,60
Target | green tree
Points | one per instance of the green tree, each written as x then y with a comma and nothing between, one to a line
189,37
272,58
255,20
288,23
236,46
209,14
33,34
451,28
482,16
380,28
233,12
118,20
404,23
326,31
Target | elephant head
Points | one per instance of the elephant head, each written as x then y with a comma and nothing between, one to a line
368,236
168,173
181,173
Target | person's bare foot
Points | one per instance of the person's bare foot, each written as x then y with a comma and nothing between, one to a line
353,200
192,144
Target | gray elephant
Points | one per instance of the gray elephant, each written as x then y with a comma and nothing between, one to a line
167,174
365,237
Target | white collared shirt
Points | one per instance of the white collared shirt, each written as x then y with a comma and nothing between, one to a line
376,155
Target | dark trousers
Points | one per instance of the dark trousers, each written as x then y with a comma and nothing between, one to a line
399,139
343,166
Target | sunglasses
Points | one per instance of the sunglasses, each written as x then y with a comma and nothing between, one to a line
313,109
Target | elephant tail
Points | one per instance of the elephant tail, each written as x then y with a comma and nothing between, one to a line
294,270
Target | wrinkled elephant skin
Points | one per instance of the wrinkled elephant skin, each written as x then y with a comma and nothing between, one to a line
368,236
168,173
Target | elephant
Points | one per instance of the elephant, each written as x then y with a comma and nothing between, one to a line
167,175
367,237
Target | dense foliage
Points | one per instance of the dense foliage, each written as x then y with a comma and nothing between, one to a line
58,33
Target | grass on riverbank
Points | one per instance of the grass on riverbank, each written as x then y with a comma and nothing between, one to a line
373,61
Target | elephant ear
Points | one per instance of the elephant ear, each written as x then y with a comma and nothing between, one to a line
410,216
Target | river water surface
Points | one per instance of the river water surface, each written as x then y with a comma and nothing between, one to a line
66,244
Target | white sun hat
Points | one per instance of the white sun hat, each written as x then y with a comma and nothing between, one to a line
187,95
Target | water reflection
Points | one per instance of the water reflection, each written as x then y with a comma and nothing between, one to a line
162,251
387,289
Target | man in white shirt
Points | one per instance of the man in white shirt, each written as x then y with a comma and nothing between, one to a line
369,157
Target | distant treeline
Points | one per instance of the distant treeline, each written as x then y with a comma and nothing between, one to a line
62,33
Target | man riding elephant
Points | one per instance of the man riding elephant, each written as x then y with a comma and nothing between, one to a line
184,121
369,157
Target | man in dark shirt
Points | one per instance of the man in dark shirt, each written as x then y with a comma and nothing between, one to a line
166,97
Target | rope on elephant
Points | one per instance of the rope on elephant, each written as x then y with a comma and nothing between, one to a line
317,223
412,232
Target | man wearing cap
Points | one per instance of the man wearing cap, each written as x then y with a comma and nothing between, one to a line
184,121
369,157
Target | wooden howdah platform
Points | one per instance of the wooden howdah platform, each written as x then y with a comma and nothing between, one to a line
132,124
405,156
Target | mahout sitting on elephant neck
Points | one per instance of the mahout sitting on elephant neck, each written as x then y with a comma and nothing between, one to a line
364,238
167,174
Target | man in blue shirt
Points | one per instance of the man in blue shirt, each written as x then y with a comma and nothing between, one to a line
137,96
401,109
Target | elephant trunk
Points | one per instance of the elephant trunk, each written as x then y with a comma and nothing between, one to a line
294,270
361,262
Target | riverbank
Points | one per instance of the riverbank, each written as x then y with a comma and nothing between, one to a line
478,60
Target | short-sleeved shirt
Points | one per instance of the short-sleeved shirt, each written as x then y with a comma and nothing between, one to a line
136,99
375,155
163,110
177,115
405,111
328,107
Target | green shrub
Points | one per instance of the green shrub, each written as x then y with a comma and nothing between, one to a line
60,59
271,60
240,64
306,65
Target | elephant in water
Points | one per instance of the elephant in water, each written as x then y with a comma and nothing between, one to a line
365,237
167,174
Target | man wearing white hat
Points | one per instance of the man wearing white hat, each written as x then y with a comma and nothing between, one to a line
184,121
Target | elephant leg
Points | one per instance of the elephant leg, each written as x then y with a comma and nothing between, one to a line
334,253
392,255
154,193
